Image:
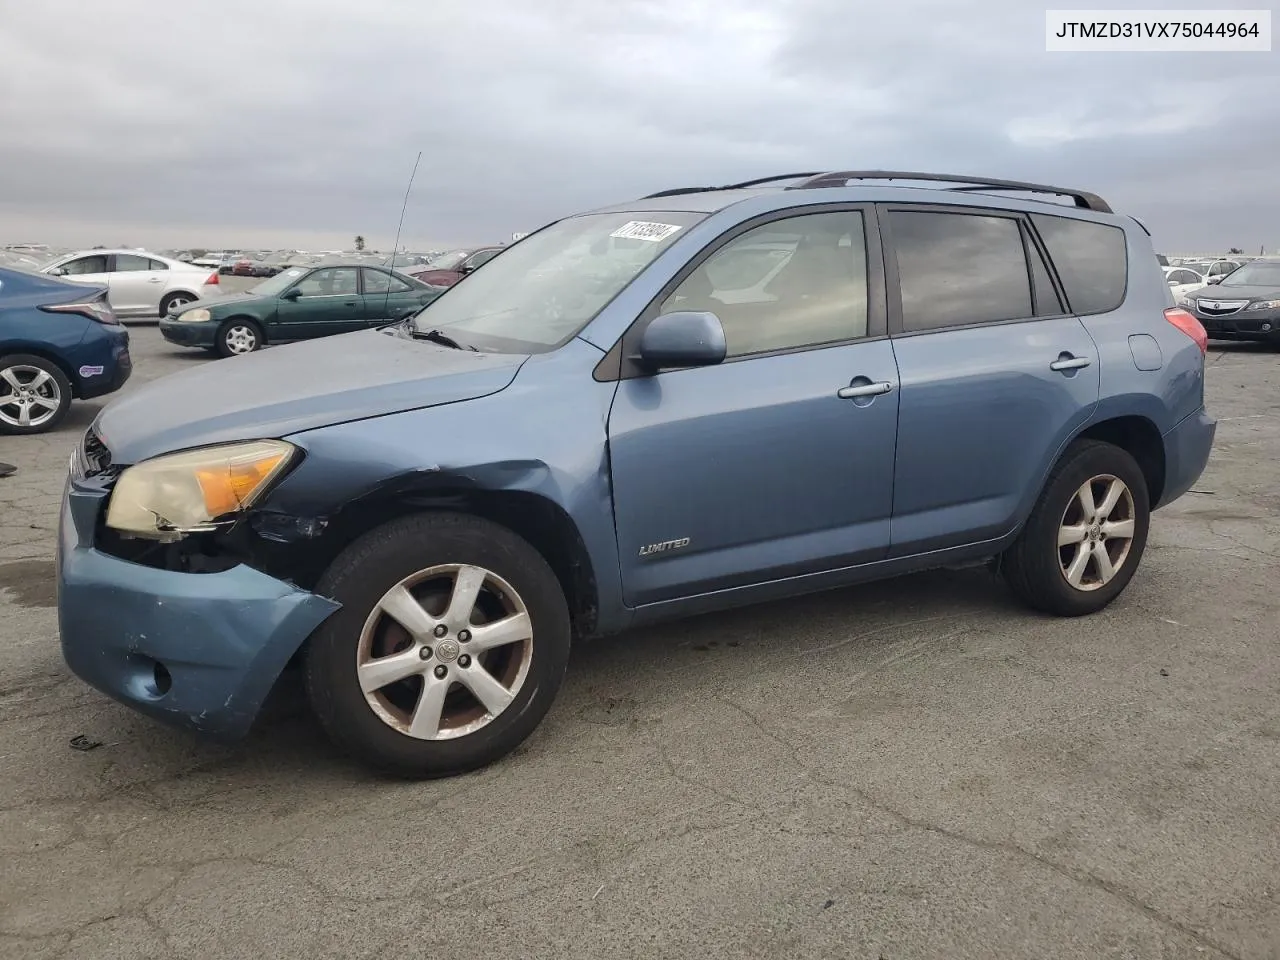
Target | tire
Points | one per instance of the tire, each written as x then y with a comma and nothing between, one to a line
425,551
239,336
175,300
1039,571
32,389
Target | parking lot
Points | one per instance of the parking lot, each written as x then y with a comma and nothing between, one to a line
917,768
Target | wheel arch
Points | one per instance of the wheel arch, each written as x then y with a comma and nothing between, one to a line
1141,439
536,518
36,350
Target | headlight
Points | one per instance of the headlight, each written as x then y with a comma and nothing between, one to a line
1185,302
1264,305
194,316
164,498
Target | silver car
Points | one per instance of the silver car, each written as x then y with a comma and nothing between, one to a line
139,284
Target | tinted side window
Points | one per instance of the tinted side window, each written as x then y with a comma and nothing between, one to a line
375,281
791,283
334,282
481,258
960,268
94,264
1091,258
156,265
128,263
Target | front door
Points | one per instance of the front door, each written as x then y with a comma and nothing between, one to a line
328,302
779,461
135,287
91,268
996,374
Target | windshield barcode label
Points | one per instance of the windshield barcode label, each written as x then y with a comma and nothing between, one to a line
643,230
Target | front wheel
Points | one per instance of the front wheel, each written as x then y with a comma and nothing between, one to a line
451,644
1085,537
236,337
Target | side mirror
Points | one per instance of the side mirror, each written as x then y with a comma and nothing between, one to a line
682,339
59,271
1214,280
293,293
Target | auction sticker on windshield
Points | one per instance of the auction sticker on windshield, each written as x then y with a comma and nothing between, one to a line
644,230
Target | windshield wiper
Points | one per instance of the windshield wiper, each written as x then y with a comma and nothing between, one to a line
440,337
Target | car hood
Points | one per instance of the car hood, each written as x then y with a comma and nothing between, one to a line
1217,291
230,300
297,387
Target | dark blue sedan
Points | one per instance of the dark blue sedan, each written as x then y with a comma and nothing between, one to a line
59,341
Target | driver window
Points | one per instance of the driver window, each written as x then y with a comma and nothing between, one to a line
86,265
788,284
333,282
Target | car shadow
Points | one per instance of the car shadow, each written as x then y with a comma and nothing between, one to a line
610,680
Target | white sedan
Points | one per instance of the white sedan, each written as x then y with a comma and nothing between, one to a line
1182,280
139,284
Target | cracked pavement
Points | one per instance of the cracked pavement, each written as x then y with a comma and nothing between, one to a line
917,768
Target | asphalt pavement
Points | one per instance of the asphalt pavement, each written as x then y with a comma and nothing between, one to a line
918,768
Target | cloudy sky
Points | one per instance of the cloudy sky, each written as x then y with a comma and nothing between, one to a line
297,122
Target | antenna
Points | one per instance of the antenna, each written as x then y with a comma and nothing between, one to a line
395,248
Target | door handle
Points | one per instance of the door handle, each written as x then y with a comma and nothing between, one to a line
864,390
154,280
1069,363
350,303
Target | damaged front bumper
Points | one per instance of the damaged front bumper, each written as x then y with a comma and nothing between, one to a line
199,650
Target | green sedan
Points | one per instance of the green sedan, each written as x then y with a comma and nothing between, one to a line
300,303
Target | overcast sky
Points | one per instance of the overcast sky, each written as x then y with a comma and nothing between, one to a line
296,122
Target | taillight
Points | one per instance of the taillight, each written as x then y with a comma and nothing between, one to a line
1188,324
98,310
213,279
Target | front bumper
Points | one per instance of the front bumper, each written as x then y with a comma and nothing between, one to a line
1243,325
200,651
187,334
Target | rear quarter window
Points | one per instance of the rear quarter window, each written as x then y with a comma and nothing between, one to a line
1092,261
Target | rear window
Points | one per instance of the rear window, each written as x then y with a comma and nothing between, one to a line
1091,259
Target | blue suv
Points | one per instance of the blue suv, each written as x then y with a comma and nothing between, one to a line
704,398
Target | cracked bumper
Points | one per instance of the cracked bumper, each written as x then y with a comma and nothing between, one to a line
200,651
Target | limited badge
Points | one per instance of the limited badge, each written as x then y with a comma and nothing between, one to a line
91,371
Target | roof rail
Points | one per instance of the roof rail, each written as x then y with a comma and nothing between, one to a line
838,178
746,184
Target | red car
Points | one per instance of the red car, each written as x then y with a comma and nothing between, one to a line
448,268
242,268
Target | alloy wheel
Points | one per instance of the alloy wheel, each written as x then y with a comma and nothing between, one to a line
1096,532
445,652
29,396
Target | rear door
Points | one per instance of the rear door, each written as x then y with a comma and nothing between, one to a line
995,372
135,288
328,302
386,297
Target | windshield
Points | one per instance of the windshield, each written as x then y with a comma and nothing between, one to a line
278,284
1256,274
541,291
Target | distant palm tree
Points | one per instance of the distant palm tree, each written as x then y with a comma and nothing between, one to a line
359,243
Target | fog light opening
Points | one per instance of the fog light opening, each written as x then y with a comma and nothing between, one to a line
161,679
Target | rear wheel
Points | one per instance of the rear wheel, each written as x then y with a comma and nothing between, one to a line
451,644
34,394
239,336
1085,537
